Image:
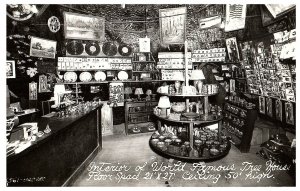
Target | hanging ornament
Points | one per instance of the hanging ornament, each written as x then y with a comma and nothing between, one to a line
31,71
53,24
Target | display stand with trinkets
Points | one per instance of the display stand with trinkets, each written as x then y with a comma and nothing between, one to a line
144,67
189,131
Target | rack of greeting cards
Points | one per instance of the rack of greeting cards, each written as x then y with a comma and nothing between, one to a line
270,67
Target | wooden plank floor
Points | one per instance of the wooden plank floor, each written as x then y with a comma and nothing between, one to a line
134,150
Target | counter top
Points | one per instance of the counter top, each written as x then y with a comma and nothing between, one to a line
55,124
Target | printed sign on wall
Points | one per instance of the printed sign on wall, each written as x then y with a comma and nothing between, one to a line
235,17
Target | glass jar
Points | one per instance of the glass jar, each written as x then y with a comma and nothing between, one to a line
206,153
168,142
214,151
173,138
154,141
161,138
160,145
177,142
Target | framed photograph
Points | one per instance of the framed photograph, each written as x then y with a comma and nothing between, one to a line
33,91
278,109
10,69
43,48
262,105
232,49
289,113
172,25
43,84
83,27
269,106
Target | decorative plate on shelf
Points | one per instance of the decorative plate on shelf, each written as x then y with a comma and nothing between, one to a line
109,49
122,75
70,77
92,48
85,77
124,50
75,47
100,76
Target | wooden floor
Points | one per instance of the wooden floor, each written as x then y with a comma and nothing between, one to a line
134,150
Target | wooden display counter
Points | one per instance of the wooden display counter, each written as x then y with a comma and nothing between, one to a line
57,158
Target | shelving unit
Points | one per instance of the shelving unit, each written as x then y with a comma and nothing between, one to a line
144,67
201,121
239,124
138,117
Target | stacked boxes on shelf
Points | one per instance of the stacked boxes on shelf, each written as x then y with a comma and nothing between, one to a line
210,55
75,63
171,63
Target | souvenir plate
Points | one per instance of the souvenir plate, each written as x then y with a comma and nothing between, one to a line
92,48
124,50
85,77
75,47
100,76
122,75
70,77
109,49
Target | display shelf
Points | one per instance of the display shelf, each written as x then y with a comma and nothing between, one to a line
144,71
246,130
87,69
196,122
174,68
274,97
187,95
189,158
151,61
115,81
101,56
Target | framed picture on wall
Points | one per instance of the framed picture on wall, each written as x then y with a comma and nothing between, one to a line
232,49
172,23
262,105
10,69
42,48
269,106
278,109
43,84
289,113
33,91
84,27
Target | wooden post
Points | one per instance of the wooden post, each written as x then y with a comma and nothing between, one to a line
186,64
205,105
191,135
